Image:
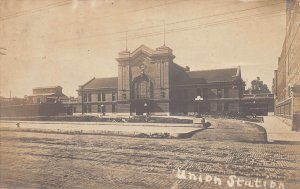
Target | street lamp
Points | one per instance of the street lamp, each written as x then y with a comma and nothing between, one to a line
146,107
198,99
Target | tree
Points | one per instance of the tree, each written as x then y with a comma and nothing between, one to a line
258,87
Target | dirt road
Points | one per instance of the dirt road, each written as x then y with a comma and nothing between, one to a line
40,160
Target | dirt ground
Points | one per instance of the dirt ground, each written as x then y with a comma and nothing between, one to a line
232,130
41,160
220,129
130,129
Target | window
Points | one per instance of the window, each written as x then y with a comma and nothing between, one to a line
162,94
226,93
74,110
89,97
124,96
219,93
226,106
99,108
85,98
213,93
89,108
113,108
219,107
142,88
205,94
99,97
113,96
103,96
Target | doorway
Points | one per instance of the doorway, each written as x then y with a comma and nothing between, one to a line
139,107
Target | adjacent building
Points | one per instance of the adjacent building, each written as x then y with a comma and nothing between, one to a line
99,95
47,95
286,83
149,81
44,101
259,104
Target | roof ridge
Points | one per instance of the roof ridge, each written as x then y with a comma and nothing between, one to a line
104,82
213,69
106,77
141,47
54,86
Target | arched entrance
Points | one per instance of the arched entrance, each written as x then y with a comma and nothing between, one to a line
142,93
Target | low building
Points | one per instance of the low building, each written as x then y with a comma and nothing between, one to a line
286,83
99,95
47,95
12,101
258,104
45,101
149,81
70,105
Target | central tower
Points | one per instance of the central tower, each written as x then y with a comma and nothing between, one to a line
143,80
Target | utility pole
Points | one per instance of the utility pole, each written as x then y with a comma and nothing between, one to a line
82,106
126,41
164,33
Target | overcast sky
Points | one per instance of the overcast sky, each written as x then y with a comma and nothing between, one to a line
66,43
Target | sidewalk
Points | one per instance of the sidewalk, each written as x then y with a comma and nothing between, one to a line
278,130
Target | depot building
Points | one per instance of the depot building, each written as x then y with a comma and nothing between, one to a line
149,81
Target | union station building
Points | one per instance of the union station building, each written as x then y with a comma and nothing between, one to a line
149,81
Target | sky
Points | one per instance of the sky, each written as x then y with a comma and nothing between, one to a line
68,42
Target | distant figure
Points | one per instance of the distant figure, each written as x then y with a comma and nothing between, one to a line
206,125
18,125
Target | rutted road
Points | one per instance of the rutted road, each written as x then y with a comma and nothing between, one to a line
40,160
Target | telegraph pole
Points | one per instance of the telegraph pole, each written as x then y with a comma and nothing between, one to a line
126,40
164,33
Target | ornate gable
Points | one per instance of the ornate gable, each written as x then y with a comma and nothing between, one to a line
143,49
143,53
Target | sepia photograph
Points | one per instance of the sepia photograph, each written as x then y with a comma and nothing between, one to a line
160,94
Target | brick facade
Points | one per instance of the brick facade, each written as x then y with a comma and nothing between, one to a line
286,81
150,82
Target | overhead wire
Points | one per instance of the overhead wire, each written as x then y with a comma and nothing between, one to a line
62,3
27,12
210,24
168,24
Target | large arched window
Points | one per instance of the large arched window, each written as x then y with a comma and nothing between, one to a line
142,88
